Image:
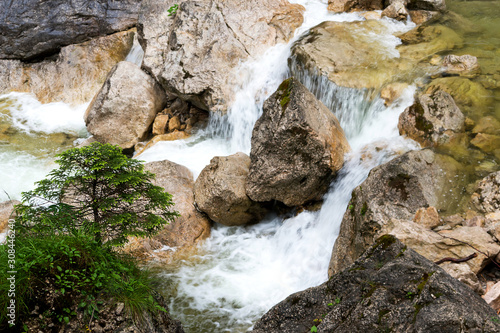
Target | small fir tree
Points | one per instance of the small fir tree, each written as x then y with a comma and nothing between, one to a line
98,191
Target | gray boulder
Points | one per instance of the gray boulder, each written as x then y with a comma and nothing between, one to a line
395,190
486,198
297,148
432,119
194,52
391,288
219,191
30,29
123,110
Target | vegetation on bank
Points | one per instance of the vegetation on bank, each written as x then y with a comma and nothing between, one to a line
66,232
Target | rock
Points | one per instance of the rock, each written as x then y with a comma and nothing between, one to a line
397,11
340,6
432,119
458,243
34,29
74,76
463,65
429,5
463,273
427,40
219,191
6,213
395,190
298,147
160,124
175,135
492,297
421,16
174,124
471,97
194,52
125,107
391,288
191,226
427,217
487,142
345,53
392,91
487,125
486,197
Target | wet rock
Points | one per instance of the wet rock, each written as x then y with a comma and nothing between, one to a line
396,10
297,148
74,76
486,198
471,97
32,29
487,142
487,125
345,53
174,124
219,191
194,52
426,40
340,6
125,107
421,16
392,91
191,226
390,288
395,190
175,135
432,120
463,65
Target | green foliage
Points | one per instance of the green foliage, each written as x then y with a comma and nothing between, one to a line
314,329
62,274
173,10
99,192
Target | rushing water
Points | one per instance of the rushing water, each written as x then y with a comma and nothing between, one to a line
240,272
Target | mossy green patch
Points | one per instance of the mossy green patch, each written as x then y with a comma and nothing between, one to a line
284,91
364,209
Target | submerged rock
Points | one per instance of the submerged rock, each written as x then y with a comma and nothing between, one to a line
395,190
432,119
194,52
32,28
298,147
486,197
219,191
74,76
391,288
125,107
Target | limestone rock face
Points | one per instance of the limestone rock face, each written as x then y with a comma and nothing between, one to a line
396,10
191,227
125,107
486,198
32,28
219,191
340,6
396,190
297,148
391,288
6,211
194,52
432,120
74,76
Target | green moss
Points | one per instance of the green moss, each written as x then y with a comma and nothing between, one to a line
284,91
423,281
421,123
385,241
364,209
401,253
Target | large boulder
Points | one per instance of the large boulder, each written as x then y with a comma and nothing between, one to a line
297,148
191,226
194,52
32,29
395,190
74,76
219,191
391,288
432,119
345,53
339,6
125,107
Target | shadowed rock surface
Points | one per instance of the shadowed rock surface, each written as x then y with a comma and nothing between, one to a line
297,148
31,29
391,288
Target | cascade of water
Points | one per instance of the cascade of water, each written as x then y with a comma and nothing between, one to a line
136,53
